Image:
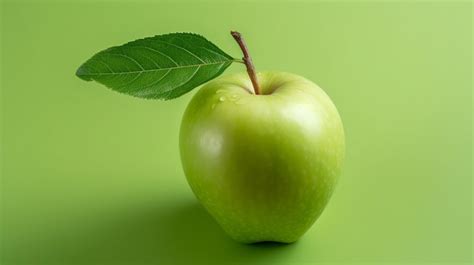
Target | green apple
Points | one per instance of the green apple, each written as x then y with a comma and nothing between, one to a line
264,166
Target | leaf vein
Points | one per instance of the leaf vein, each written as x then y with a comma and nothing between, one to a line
130,58
128,83
156,51
106,65
216,53
183,83
182,48
155,70
157,81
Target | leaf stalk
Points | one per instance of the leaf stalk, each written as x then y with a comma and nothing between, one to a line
247,60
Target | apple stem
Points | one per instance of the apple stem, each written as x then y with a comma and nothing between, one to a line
247,61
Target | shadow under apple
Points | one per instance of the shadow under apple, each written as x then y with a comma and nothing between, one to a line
182,234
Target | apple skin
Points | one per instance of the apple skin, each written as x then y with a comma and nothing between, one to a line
264,166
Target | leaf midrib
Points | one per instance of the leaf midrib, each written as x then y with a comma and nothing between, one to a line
161,69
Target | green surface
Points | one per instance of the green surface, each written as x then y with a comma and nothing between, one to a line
90,176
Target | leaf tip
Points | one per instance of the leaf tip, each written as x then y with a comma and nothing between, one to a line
83,74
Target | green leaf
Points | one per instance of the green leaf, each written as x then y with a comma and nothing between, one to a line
160,67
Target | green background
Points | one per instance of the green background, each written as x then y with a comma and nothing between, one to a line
90,176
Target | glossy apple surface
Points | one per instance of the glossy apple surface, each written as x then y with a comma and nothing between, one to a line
264,166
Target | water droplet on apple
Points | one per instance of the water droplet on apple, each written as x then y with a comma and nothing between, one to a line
233,97
213,106
222,99
220,91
